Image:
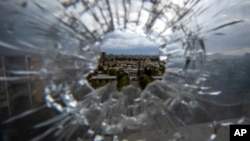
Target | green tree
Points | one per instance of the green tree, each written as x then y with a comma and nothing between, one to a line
100,68
96,84
122,80
112,72
162,69
144,80
148,71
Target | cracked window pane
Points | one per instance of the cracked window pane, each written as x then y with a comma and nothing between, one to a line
49,48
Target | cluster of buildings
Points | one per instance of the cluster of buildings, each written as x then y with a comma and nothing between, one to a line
130,64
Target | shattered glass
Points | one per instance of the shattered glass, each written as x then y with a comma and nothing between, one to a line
49,47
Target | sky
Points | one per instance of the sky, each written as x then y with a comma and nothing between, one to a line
236,37
128,43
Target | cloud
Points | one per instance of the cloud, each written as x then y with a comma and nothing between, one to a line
134,51
236,36
125,42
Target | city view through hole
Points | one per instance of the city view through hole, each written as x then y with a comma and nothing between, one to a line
127,59
55,53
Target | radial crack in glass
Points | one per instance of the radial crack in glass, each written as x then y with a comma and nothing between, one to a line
49,48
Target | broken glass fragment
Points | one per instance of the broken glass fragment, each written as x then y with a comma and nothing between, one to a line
49,48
